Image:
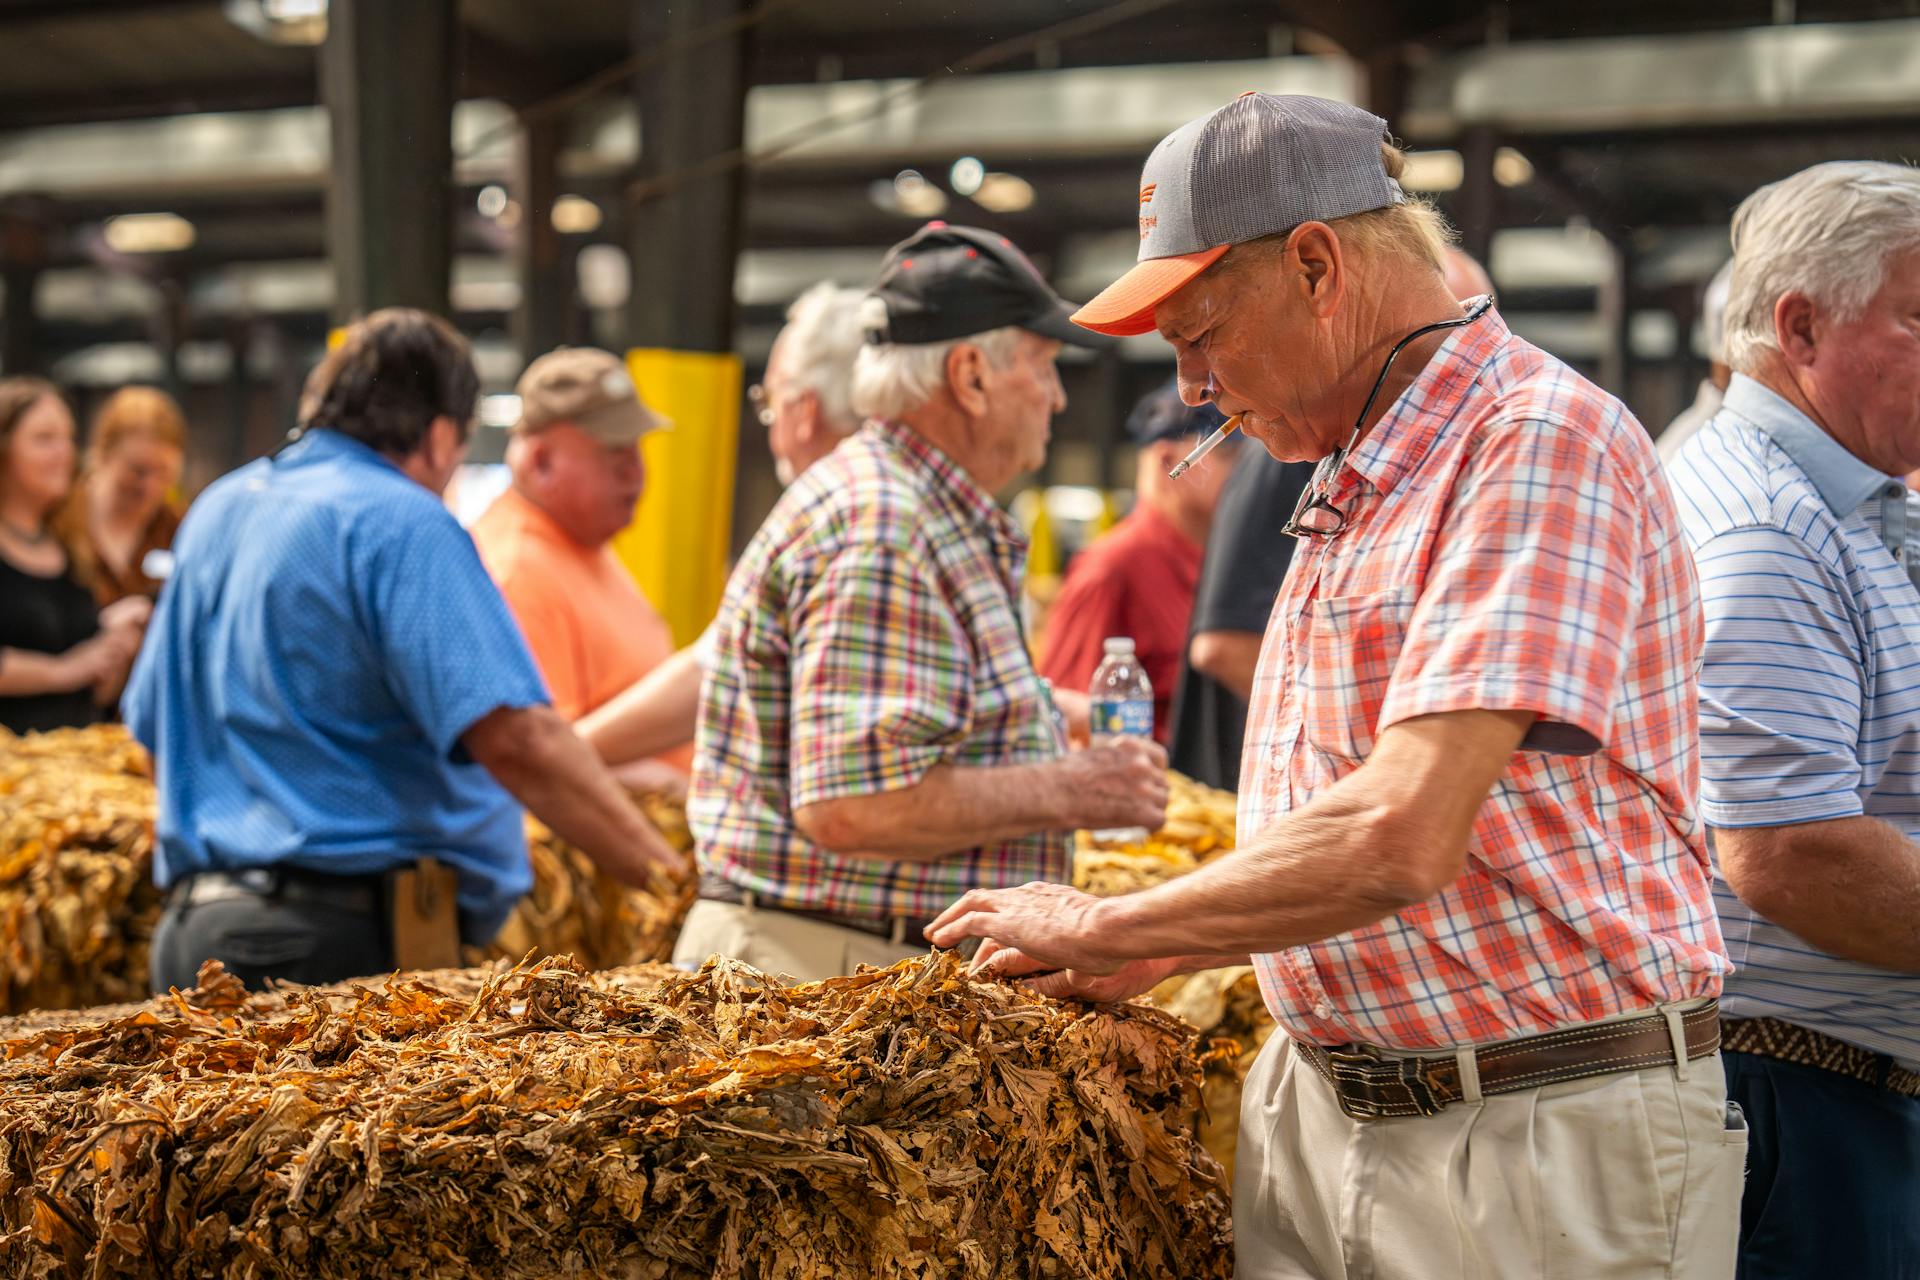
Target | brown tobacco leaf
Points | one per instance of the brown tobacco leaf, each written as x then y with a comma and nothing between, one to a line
78,906
77,902
901,1123
1224,1004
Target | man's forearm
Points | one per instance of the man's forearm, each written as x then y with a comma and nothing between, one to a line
538,758
1231,657
1850,886
950,810
24,672
655,714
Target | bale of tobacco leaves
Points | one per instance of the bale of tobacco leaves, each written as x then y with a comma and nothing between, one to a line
77,902
1224,1004
902,1123
78,905
576,911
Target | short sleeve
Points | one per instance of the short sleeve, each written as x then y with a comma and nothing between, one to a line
1247,554
1532,589
881,671
453,652
1781,695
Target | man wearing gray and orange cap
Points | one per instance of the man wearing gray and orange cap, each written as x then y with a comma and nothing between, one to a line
577,475
1471,873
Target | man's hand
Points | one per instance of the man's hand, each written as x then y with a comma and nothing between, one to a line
1117,784
1051,930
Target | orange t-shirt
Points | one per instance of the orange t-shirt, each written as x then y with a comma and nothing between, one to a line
591,631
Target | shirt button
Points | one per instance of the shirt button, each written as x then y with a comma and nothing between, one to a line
1322,1011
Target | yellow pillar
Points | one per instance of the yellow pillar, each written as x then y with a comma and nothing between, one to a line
676,548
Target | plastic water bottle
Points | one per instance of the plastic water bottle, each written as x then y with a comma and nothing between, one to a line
1121,705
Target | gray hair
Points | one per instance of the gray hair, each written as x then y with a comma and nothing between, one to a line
1713,312
821,341
891,380
1826,232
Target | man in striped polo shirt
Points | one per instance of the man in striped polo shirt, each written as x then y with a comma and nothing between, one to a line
1810,714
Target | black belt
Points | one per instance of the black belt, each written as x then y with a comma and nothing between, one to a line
911,933
361,894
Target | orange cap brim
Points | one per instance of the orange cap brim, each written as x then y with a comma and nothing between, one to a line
1125,307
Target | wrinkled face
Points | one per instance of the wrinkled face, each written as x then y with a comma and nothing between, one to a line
139,472
1020,401
794,410
1243,330
1865,373
40,455
590,488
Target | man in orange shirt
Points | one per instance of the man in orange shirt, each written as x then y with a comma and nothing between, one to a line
577,474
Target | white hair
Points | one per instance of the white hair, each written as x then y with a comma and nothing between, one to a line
891,380
1713,312
820,342
1826,232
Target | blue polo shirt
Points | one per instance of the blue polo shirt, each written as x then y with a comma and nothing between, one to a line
1809,684
327,636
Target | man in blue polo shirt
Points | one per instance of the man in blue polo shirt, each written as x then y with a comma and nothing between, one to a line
338,701
1810,715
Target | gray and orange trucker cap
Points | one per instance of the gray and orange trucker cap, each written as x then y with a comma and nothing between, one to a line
1262,164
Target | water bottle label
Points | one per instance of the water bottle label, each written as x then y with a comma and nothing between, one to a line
1117,716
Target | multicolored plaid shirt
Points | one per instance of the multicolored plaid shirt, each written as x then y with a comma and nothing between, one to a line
869,633
1511,546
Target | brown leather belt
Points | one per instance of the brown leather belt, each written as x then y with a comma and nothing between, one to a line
913,933
1372,1085
1772,1038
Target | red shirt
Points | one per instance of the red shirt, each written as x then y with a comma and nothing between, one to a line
1138,580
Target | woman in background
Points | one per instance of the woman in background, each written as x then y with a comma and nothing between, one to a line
118,515
62,658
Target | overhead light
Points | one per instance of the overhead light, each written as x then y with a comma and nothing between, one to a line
914,196
1511,169
292,22
492,201
1432,171
499,410
966,175
148,233
1004,193
575,216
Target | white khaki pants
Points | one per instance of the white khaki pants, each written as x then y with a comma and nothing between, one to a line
1615,1177
779,942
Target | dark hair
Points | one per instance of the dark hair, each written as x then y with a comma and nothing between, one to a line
396,372
17,395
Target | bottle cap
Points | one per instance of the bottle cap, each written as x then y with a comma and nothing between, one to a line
1119,644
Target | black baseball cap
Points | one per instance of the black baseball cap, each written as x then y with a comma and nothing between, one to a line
1163,415
945,282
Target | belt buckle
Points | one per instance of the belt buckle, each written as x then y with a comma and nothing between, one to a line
1366,1082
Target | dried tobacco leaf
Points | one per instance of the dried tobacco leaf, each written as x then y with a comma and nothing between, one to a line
1224,1003
906,1122
78,906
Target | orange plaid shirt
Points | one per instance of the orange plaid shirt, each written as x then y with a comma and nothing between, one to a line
1511,546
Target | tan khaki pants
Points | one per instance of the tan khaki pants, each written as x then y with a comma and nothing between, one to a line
780,942
1617,1177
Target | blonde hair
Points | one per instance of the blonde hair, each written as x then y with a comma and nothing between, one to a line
137,412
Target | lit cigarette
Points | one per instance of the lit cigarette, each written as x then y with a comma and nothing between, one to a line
1207,446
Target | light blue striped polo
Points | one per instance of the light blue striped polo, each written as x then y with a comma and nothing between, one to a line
1809,684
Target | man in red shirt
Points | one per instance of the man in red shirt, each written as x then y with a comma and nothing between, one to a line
1139,579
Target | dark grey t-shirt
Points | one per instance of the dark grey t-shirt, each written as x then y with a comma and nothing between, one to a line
1247,558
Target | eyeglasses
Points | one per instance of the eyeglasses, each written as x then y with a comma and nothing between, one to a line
762,402
1314,515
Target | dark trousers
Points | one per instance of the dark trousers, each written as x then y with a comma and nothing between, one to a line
258,938
1833,1175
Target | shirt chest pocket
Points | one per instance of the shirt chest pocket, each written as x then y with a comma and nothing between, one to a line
1350,649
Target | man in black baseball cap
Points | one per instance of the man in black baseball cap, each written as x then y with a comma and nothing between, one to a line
873,737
